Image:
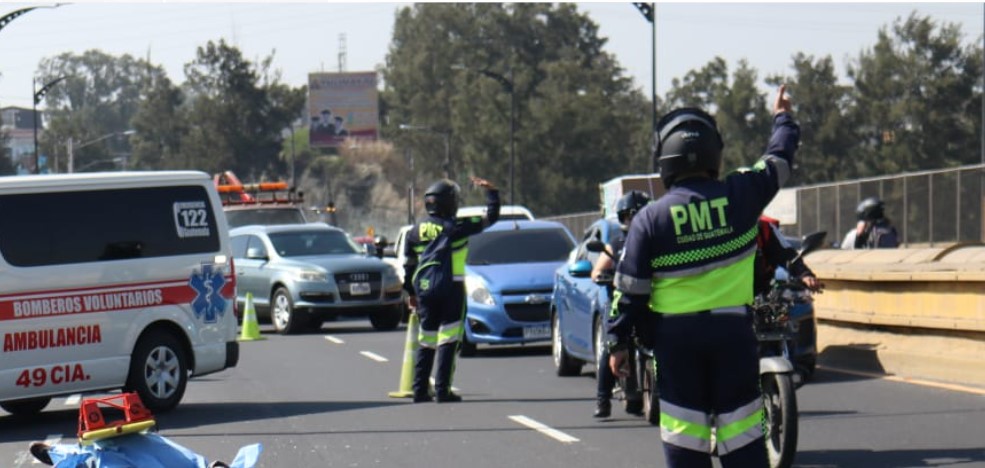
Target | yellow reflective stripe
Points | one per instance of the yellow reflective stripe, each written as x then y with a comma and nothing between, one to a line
724,287
458,261
427,339
450,332
730,431
684,434
460,243
738,437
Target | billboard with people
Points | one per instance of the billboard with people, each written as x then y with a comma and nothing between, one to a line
340,106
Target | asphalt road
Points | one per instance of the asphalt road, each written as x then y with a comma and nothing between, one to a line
320,400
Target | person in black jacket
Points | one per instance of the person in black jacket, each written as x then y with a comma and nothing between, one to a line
772,252
688,267
442,316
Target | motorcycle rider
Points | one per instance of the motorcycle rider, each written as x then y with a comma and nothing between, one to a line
689,260
772,252
627,207
442,315
874,231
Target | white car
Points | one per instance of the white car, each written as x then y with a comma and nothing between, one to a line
505,212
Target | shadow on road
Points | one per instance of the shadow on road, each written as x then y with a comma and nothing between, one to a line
862,357
889,458
508,351
188,415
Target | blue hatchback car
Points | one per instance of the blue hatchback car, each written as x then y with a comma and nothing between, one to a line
578,305
509,276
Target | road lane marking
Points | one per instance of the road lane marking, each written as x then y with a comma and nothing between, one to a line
896,378
334,339
374,356
544,429
73,399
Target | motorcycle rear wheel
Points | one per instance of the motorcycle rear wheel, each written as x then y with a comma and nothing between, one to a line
780,408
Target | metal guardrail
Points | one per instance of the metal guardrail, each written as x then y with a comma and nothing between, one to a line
928,208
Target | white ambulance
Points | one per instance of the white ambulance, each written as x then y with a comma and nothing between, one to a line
112,281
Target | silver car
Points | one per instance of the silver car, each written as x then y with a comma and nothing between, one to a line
301,275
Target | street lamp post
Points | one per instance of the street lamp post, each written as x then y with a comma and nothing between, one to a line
446,136
38,95
508,87
649,11
71,146
6,19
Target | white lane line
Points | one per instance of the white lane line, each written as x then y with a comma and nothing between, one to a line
544,429
73,399
334,339
374,356
896,378
51,439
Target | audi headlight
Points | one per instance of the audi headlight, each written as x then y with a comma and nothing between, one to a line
476,290
312,275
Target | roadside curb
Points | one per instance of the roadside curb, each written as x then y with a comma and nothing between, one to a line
934,357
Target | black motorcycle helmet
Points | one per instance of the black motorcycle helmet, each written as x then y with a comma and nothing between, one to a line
441,199
687,141
870,209
630,204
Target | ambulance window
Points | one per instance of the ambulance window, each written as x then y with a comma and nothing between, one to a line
106,225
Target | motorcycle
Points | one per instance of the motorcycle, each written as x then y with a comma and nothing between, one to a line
778,378
639,386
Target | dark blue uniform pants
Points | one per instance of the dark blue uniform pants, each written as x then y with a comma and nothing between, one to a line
709,368
442,324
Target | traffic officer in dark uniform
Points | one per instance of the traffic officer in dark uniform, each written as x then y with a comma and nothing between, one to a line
442,315
688,260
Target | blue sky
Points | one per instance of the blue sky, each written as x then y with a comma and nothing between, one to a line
305,36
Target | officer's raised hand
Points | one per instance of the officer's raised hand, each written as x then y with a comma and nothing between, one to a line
480,182
782,103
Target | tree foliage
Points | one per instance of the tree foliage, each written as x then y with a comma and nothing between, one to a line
452,67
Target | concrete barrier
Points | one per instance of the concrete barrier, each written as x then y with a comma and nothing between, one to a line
910,312
933,288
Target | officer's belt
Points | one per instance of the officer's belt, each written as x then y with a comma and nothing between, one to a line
735,310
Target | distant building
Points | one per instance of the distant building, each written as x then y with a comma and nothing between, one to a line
18,124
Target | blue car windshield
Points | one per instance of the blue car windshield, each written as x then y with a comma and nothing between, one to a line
306,243
519,246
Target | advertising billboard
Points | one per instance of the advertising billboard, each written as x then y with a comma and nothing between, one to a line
340,106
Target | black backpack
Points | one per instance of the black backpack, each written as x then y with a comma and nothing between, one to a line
433,277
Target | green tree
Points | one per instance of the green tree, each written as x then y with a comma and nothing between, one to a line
98,95
916,99
160,127
236,113
578,119
736,102
827,131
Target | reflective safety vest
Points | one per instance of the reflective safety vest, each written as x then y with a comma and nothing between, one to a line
694,248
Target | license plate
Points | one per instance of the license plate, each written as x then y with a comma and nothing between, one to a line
359,289
542,331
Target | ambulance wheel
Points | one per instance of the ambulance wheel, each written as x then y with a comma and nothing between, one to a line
25,407
158,371
286,319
